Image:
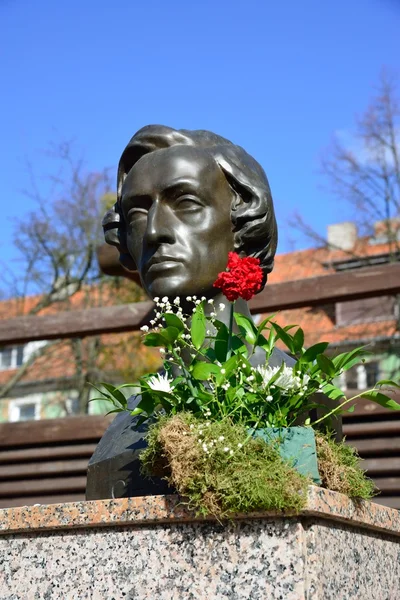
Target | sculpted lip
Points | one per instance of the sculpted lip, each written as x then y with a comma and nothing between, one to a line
160,263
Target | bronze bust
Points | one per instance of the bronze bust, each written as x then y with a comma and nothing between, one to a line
185,199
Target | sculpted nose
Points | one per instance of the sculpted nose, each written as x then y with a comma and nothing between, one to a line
159,227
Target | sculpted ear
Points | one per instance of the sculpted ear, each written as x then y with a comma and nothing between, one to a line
251,200
115,235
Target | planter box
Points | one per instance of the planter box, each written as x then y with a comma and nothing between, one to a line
151,547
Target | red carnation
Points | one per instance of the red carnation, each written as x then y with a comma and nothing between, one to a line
242,279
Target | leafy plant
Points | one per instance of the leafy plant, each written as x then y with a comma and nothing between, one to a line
209,371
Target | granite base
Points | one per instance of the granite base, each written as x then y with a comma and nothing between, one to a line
151,547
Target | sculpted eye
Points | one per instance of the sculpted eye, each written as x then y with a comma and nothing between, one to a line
188,203
137,212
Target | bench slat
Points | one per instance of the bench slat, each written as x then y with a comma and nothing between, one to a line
382,465
46,453
34,487
392,501
31,433
376,446
35,470
377,428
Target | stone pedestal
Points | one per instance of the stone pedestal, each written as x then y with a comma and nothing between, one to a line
151,547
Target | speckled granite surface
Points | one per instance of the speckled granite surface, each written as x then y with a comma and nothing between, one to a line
345,562
152,548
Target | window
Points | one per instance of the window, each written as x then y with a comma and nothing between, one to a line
362,377
372,373
27,412
351,379
25,409
11,357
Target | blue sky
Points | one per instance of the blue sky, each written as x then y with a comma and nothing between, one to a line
278,78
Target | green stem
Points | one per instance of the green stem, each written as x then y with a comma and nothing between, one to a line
230,331
184,371
337,408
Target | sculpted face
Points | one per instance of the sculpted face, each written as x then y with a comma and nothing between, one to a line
176,203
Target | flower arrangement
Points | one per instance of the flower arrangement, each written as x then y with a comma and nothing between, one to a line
212,380
208,369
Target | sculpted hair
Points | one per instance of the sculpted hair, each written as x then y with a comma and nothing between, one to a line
253,217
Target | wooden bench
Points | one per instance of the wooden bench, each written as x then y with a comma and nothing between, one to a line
375,432
45,461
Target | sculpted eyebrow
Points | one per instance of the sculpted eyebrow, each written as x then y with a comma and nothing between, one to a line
181,187
139,200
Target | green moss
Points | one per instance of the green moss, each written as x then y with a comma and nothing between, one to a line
220,469
339,467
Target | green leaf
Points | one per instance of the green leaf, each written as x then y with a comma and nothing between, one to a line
267,344
221,342
263,323
326,365
173,321
247,327
203,370
211,355
128,385
347,359
147,404
332,392
230,366
238,346
115,393
198,328
298,340
356,361
388,382
381,399
204,396
313,351
284,336
170,334
154,339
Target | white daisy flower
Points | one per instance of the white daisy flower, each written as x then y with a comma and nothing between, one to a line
287,380
160,383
